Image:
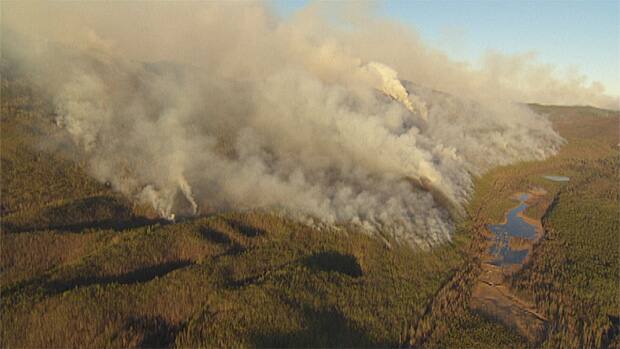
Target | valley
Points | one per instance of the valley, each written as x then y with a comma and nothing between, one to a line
83,266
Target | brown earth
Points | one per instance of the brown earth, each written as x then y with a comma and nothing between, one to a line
491,295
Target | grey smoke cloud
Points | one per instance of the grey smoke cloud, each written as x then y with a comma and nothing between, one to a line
193,108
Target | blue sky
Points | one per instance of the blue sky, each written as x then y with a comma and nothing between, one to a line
568,34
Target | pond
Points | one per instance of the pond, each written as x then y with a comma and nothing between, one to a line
515,227
557,178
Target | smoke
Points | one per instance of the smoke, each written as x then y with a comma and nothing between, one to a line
194,108
391,86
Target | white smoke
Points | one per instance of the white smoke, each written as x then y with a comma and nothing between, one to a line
279,115
391,86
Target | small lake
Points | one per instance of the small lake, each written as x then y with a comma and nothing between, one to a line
557,178
514,227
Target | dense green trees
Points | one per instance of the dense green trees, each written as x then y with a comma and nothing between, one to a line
70,278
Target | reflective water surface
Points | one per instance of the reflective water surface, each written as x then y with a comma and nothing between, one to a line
514,227
557,178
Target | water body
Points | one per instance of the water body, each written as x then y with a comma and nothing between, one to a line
557,178
515,226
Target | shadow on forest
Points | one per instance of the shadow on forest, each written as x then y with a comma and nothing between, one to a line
99,212
154,332
215,236
245,229
613,331
330,261
336,262
322,329
51,288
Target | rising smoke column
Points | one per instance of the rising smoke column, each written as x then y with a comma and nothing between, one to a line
295,119
393,87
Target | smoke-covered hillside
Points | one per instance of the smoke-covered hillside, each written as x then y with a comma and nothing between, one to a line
209,174
322,131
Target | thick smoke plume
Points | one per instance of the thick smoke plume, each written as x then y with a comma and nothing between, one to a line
193,108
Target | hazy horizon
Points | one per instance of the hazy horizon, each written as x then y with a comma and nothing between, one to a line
577,39
285,173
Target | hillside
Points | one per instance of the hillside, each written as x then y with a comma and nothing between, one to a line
83,266
572,276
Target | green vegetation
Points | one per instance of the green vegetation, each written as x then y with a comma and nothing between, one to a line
573,275
469,330
81,266
160,284
448,322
